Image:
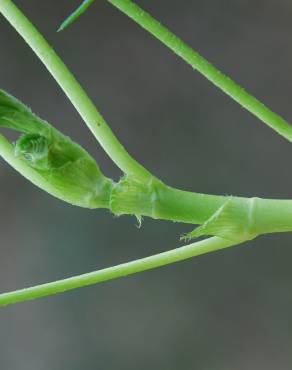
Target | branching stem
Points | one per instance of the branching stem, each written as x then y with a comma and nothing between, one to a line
130,196
73,90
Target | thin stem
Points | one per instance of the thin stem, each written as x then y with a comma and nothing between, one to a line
231,88
98,126
80,10
73,90
148,263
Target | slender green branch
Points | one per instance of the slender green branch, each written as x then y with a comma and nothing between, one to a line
80,10
231,219
58,165
73,90
129,268
208,70
145,195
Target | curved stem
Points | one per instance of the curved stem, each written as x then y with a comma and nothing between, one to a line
119,155
129,268
231,88
73,90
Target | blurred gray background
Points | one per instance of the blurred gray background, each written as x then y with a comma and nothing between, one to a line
229,310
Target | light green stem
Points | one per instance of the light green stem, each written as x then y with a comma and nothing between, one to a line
129,268
208,70
245,217
73,90
170,203
80,10
163,202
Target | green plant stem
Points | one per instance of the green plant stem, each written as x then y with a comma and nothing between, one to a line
246,217
231,88
170,204
159,201
73,90
129,268
165,202
80,10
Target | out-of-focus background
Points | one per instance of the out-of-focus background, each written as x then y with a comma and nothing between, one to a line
224,311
